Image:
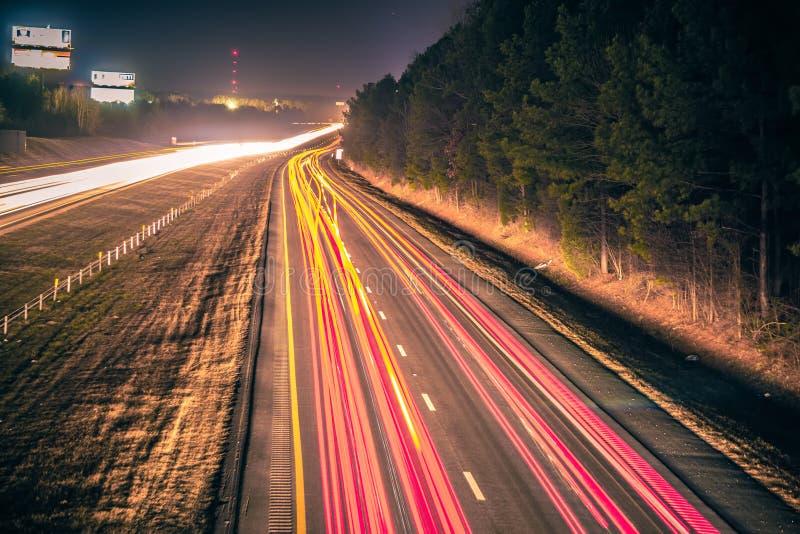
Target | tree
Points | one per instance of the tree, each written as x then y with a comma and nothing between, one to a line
367,113
559,120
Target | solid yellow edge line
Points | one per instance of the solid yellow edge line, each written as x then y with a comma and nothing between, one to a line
300,497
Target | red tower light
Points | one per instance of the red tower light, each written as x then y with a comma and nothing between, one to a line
234,69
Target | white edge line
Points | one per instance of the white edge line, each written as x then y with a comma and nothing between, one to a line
474,486
428,401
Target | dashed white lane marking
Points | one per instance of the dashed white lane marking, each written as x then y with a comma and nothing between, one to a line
401,350
382,315
428,402
358,271
474,486
369,290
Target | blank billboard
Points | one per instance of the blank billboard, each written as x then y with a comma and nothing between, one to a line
113,79
41,37
40,59
111,94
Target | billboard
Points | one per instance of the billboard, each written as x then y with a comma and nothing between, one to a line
41,37
111,94
35,58
113,79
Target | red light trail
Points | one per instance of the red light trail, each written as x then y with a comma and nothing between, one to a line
355,367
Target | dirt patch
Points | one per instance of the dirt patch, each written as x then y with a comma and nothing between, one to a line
735,398
115,403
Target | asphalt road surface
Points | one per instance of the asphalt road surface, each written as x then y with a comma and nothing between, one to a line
396,391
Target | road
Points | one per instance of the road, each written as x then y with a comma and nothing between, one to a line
22,199
389,397
7,171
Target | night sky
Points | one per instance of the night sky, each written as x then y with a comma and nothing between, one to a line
287,48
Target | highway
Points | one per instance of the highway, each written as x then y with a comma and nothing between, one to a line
389,397
5,170
19,199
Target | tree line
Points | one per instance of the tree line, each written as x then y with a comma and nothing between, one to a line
655,136
58,110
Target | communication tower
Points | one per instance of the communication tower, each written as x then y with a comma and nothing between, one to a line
234,71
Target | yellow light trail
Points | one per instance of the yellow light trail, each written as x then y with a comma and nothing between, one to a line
355,492
300,493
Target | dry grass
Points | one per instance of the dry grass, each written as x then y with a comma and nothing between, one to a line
115,404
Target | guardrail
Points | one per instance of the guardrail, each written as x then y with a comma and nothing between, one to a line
107,258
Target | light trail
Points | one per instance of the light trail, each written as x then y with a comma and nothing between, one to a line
24,194
297,447
71,163
664,501
370,430
353,362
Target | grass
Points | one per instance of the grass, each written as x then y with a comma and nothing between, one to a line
46,150
114,402
31,258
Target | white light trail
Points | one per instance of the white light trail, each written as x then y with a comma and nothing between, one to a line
24,194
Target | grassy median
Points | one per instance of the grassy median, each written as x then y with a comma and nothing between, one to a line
114,402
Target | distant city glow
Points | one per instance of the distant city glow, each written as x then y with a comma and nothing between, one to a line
232,105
